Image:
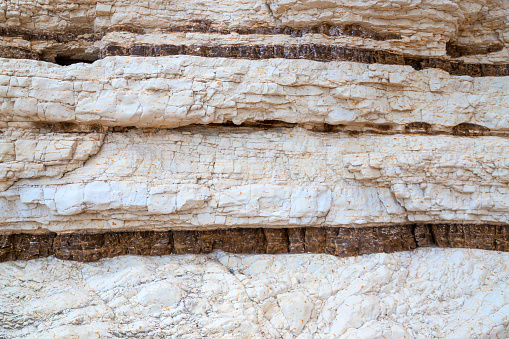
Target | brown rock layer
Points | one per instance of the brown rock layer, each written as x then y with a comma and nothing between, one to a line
78,41
339,241
204,26
457,50
314,52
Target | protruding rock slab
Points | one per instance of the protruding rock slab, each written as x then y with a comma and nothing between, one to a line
176,91
36,153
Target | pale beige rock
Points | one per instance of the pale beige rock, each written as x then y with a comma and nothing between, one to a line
216,178
29,154
183,90
426,24
441,293
67,165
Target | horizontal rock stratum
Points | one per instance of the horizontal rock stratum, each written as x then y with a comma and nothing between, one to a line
252,126
166,92
440,293
459,28
218,177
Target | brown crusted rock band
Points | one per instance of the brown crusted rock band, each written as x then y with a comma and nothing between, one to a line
339,241
204,26
316,52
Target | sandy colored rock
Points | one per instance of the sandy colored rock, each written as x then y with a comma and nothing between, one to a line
426,293
183,90
211,178
425,25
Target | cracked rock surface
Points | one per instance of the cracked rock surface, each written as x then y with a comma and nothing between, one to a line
182,90
428,293
252,114
422,26
140,140
279,177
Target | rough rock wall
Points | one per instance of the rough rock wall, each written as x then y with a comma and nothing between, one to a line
281,121
428,293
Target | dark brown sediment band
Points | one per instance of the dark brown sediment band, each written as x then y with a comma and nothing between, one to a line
19,53
354,30
456,50
32,35
204,26
70,52
461,130
339,241
316,52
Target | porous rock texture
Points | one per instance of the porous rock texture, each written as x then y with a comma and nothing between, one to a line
343,116
428,293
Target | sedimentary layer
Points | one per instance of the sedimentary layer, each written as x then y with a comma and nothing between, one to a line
252,120
425,27
228,177
182,90
339,241
427,293
29,154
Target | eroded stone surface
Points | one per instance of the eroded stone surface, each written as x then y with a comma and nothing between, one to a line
426,293
229,177
30,154
183,90
421,26
339,241
313,51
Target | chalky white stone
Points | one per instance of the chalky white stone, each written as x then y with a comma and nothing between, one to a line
202,178
182,90
442,293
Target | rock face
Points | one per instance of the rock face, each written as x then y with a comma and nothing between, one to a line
273,126
440,293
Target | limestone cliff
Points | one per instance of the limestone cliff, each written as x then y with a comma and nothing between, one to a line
252,126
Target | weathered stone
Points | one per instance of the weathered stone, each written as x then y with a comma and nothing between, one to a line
222,177
423,236
167,133
256,295
277,240
192,90
424,28
338,241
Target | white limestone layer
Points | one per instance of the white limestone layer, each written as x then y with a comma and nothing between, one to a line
183,90
439,293
216,178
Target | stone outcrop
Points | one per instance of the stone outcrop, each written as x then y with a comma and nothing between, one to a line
167,92
252,126
227,176
338,241
462,28
441,293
